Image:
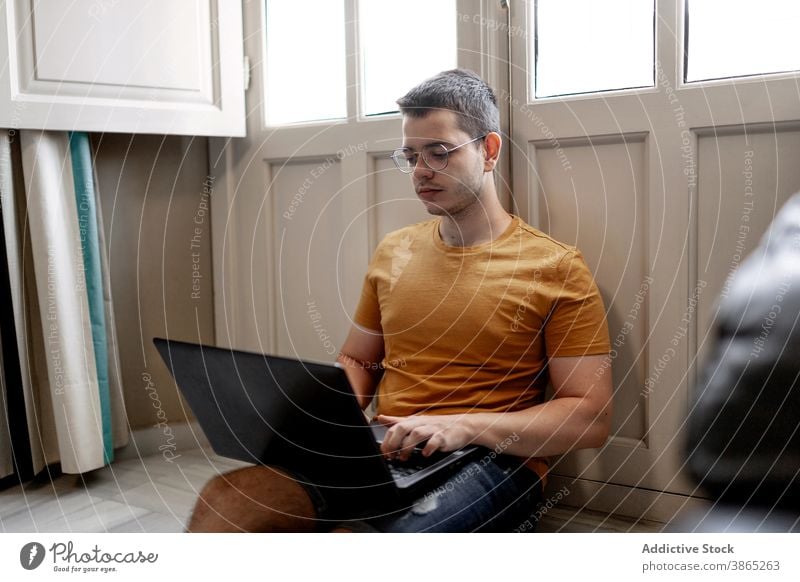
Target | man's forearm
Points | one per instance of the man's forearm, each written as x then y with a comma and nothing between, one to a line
551,428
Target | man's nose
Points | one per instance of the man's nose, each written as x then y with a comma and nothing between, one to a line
422,169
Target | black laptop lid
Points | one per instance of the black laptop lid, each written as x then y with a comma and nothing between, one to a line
266,409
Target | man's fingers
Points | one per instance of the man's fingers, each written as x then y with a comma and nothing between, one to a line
394,436
388,420
406,449
418,435
393,440
402,438
435,443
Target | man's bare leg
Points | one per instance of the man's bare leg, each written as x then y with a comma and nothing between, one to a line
253,499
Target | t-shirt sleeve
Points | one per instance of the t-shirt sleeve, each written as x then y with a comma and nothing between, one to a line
577,323
368,311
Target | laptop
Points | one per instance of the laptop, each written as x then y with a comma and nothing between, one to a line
302,416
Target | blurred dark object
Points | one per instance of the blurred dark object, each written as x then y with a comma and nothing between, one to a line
743,430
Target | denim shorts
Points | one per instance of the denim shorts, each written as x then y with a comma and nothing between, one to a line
494,494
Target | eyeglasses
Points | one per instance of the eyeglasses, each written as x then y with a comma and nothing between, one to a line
434,155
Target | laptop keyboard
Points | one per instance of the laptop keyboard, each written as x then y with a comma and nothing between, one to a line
415,463
400,470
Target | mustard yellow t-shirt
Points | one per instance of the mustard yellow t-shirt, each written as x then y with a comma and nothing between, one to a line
470,329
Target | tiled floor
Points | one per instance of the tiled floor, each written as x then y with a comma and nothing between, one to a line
137,495
153,495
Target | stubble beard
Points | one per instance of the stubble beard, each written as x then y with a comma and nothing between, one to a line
466,201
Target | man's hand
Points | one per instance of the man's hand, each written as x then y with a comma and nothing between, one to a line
446,432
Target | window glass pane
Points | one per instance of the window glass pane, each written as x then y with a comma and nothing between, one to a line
732,38
583,46
401,45
305,73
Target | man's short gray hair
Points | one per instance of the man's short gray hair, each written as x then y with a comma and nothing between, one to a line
458,90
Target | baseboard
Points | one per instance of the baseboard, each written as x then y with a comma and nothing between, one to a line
630,502
169,441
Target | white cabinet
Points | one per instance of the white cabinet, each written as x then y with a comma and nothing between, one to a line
171,67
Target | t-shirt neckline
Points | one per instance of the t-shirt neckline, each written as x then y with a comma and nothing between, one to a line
442,246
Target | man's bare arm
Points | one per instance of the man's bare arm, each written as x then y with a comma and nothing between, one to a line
361,355
577,416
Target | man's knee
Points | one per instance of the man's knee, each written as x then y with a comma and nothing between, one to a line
253,499
216,489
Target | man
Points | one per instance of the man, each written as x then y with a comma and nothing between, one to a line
469,315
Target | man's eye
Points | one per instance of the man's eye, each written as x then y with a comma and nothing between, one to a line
411,159
437,155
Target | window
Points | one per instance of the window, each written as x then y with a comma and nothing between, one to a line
306,61
306,68
734,38
583,46
401,45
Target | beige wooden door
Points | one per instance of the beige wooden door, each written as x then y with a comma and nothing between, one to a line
665,189
297,209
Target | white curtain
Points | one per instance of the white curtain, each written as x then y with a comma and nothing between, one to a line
67,395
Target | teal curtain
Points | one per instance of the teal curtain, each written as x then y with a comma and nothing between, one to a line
85,196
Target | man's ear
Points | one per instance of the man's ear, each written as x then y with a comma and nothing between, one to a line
491,145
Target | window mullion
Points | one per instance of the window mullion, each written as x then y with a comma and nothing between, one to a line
353,65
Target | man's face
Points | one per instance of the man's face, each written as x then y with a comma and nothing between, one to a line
458,186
